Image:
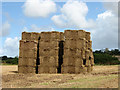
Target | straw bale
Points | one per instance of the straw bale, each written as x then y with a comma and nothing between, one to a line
69,52
25,45
78,53
92,61
42,69
27,61
45,35
26,69
55,35
83,54
87,62
44,61
83,69
87,36
81,33
28,53
78,62
70,43
53,70
81,43
77,70
44,52
92,68
89,69
70,61
26,36
73,34
87,54
90,44
68,69
35,36
54,61
62,38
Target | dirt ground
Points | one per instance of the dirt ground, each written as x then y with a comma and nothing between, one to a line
101,77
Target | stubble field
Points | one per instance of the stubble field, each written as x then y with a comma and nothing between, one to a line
101,77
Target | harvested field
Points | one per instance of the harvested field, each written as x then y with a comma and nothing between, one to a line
101,77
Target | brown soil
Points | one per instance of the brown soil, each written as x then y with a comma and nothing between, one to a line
101,77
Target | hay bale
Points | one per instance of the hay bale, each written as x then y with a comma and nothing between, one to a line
50,61
25,45
89,69
87,54
78,62
87,36
26,69
78,53
83,69
43,69
87,62
71,34
55,35
54,52
54,61
83,54
28,53
35,36
69,52
27,62
52,70
45,35
77,70
92,61
92,68
44,61
70,43
68,69
90,44
69,61
81,33
62,38
44,52
26,36
81,43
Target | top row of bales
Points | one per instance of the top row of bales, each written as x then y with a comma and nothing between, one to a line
29,36
77,34
68,34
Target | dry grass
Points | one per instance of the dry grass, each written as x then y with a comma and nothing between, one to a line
101,77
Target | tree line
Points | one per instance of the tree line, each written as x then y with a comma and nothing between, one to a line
106,57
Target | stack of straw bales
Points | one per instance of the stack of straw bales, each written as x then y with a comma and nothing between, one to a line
28,52
78,57
49,51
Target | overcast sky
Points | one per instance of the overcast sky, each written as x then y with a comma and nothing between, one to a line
99,18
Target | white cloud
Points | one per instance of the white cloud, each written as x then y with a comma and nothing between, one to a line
111,6
35,28
106,31
39,8
42,28
5,30
105,15
73,15
11,47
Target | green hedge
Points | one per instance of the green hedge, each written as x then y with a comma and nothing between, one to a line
13,61
105,59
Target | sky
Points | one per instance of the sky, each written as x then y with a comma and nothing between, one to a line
99,18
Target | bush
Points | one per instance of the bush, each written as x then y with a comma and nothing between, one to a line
105,59
11,61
